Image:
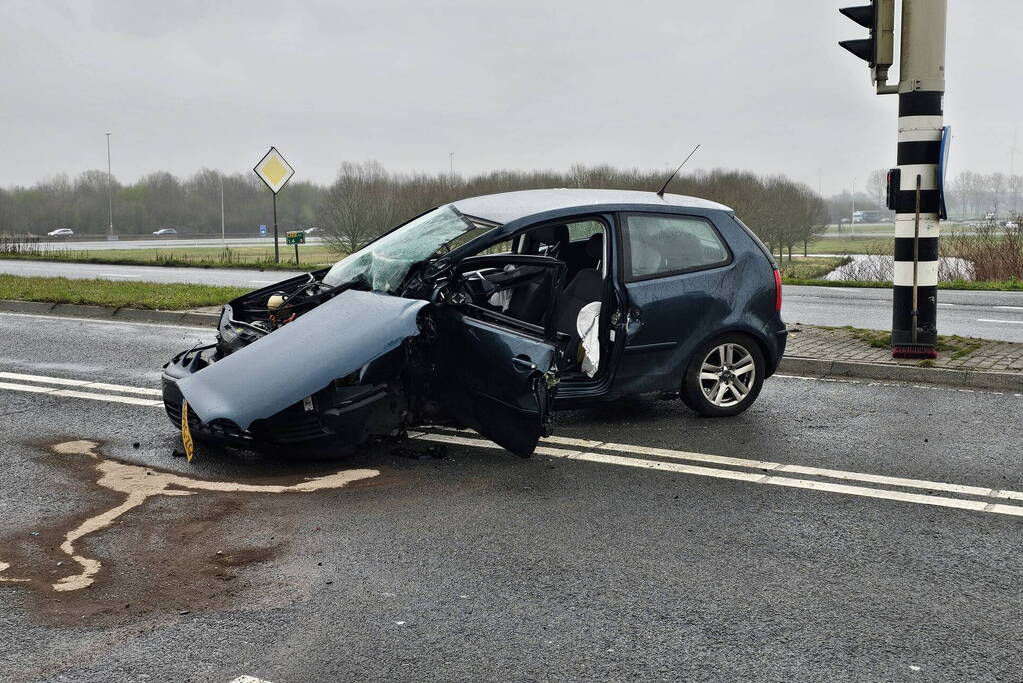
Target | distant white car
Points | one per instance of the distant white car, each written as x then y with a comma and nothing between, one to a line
313,231
61,232
166,231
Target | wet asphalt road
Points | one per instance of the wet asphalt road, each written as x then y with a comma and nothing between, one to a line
485,566
988,315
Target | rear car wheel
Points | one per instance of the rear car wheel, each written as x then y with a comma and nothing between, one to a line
724,377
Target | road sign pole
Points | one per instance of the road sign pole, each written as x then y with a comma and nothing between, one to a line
273,170
296,253
917,213
277,249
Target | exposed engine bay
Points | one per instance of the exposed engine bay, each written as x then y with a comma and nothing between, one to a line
259,313
342,363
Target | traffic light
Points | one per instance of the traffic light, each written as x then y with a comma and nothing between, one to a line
878,51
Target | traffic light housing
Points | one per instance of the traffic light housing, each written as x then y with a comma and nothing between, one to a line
878,51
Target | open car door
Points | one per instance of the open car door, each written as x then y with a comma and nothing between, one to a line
495,377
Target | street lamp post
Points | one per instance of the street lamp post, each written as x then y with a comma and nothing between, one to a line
110,191
223,235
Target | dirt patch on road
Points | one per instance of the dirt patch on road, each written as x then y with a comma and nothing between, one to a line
185,553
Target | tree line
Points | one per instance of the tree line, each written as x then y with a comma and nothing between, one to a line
968,196
158,200
366,199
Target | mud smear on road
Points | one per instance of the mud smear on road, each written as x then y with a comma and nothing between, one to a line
149,542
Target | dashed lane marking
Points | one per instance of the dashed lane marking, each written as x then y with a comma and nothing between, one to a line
73,393
81,383
1009,322
64,319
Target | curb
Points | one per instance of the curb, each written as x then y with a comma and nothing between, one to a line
971,379
137,315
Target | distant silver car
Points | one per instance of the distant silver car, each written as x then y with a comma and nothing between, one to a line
165,231
60,232
313,231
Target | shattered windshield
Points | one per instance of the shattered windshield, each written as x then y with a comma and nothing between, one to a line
383,264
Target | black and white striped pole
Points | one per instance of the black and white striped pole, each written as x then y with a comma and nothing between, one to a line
914,188
916,198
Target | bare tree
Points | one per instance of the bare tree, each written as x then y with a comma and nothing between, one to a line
877,186
357,207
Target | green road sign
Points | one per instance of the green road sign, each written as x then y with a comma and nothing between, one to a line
296,236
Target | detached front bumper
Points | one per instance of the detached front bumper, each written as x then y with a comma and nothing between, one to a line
334,416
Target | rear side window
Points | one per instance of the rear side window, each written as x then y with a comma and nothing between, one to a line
658,245
582,230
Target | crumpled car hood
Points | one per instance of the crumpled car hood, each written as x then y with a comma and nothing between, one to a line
330,341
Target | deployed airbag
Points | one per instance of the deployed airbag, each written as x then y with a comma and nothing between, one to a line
330,341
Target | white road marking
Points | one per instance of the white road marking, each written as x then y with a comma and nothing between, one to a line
1010,322
82,383
949,305
248,679
1010,308
72,393
117,275
67,318
764,478
264,282
761,476
796,469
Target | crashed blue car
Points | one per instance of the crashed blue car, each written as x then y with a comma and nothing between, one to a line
490,313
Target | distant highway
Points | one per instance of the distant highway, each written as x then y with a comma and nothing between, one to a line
990,315
166,243
236,277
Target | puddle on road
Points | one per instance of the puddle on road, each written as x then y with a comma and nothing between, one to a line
139,483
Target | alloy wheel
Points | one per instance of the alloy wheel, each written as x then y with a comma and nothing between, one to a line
727,375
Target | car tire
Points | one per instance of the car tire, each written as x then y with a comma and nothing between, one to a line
729,358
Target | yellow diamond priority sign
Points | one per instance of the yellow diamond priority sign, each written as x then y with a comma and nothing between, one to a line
274,170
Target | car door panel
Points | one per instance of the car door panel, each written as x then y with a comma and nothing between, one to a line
494,379
672,301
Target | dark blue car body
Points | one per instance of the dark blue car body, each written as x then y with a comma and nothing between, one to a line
502,375
668,317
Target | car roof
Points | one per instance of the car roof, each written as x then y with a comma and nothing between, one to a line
510,206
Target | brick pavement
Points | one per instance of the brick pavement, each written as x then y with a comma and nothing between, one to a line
808,341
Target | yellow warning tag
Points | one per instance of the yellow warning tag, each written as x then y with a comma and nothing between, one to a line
186,434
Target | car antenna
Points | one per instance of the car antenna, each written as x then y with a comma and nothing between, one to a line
660,193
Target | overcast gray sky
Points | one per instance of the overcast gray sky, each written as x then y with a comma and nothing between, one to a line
527,84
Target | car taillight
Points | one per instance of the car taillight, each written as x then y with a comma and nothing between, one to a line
777,290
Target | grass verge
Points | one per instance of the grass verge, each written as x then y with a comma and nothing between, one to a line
146,295
810,268
310,258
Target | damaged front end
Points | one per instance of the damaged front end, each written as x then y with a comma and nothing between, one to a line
333,376
387,339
